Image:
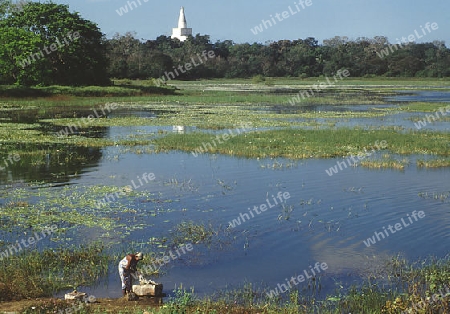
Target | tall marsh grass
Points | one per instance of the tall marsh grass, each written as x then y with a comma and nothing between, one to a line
33,274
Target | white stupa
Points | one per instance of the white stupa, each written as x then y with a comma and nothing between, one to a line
182,31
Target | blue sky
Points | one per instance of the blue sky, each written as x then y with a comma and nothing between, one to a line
323,19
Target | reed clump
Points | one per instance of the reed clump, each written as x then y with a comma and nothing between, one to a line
33,274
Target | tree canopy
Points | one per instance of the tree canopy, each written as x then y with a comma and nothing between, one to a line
44,43
131,58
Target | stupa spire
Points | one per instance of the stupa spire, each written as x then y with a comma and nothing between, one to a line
182,31
182,19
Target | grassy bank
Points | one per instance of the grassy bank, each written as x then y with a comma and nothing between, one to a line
420,287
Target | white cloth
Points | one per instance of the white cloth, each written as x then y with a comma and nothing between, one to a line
122,264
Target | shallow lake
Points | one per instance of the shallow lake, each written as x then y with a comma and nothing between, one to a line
326,219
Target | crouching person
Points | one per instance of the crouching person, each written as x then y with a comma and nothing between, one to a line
128,268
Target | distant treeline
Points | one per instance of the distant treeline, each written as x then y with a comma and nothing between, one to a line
364,57
46,44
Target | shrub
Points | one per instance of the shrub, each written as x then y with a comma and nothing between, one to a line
258,79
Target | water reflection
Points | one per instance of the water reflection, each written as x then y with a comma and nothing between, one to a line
57,164
178,129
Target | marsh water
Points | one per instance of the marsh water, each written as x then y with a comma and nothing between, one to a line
325,220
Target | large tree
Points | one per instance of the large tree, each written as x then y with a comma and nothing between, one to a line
44,43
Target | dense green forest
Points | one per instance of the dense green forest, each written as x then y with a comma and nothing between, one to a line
44,44
131,58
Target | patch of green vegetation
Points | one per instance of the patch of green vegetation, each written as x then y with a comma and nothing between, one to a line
15,137
72,206
385,162
300,144
119,121
31,139
379,82
277,95
83,91
223,117
421,106
189,231
32,274
192,93
434,163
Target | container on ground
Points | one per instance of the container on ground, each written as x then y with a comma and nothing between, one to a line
148,290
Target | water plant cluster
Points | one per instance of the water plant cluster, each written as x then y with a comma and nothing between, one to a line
298,143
